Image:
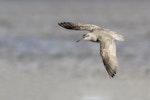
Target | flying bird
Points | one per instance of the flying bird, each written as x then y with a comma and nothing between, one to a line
105,37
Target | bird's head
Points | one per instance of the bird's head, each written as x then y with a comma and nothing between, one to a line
85,37
89,37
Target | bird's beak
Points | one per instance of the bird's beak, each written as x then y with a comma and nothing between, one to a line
79,40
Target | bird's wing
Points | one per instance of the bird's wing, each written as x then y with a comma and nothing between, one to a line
78,26
108,53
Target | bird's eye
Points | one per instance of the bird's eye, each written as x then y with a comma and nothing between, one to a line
84,35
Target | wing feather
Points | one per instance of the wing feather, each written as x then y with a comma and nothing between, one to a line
108,53
78,26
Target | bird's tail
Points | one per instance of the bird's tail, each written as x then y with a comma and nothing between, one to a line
116,36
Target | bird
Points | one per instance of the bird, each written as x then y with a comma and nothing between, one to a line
104,37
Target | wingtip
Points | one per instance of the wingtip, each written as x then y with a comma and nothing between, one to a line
60,23
66,25
111,73
112,76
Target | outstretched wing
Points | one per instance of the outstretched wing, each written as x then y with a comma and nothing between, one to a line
108,53
78,26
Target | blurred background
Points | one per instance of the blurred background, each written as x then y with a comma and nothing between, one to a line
41,61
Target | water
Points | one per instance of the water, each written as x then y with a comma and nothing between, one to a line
40,60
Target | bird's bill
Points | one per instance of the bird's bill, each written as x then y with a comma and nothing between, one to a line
79,40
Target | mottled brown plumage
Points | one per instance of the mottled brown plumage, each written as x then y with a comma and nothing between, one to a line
103,36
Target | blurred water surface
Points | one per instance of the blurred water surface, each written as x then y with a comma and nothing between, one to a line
40,60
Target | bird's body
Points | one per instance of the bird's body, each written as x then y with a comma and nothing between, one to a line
103,36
